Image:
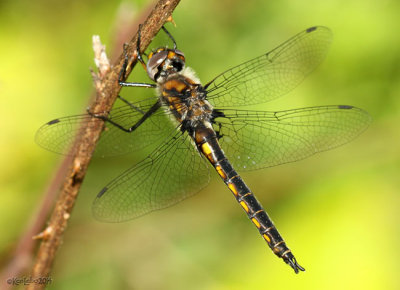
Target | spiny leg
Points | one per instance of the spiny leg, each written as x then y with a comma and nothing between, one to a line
131,105
122,72
170,36
146,115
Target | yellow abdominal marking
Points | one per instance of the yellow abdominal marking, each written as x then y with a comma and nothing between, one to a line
244,205
256,222
220,171
206,148
232,187
266,238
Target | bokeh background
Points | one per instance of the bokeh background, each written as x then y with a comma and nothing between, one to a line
338,210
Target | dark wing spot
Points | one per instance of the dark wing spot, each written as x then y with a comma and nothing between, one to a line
100,194
55,121
311,29
346,107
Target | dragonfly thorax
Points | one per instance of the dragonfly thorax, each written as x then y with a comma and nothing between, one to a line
164,62
185,98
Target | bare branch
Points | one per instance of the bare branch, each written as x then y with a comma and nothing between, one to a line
107,91
100,57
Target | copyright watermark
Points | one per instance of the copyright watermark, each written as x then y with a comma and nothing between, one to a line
29,280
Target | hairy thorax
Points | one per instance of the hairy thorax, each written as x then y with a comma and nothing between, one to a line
185,98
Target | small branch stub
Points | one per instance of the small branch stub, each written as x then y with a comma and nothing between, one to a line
43,235
100,57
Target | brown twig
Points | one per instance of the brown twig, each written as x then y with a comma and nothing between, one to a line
107,89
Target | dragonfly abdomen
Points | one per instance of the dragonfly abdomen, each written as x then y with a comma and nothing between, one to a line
207,143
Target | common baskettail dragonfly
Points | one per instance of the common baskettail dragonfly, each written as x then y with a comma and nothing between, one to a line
210,124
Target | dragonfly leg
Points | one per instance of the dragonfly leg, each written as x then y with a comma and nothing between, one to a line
107,119
170,36
131,105
122,73
139,56
146,115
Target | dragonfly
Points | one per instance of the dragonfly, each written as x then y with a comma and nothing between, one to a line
195,126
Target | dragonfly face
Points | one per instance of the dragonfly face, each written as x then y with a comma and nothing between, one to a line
164,62
214,127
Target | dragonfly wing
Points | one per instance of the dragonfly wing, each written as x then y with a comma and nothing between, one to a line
173,172
273,74
58,135
258,139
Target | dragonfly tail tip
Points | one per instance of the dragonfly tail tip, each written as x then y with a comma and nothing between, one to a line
293,263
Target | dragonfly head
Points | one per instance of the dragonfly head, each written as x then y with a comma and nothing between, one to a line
163,62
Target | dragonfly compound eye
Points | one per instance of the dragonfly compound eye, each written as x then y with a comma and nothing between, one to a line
154,65
177,59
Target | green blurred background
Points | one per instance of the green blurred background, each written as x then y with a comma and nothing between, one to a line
338,210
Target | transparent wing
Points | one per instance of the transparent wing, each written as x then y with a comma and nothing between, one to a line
58,135
273,74
258,139
173,172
